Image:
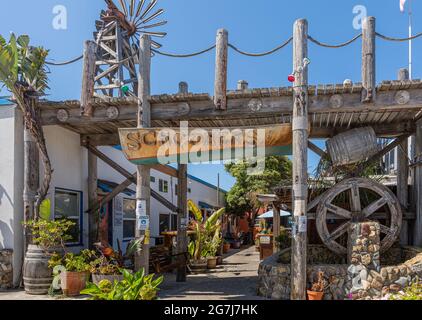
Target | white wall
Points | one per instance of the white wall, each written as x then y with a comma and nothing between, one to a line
69,162
11,185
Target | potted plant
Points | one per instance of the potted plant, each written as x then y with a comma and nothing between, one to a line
212,246
317,289
137,286
48,239
226,246
76,274
204,231
109,264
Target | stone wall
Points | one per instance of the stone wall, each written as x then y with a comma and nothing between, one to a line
6,270
274,277
317,254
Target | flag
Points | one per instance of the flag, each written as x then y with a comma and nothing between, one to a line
402,2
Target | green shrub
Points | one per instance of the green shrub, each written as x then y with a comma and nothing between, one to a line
135,286
49,233
284,240
413,292
74,262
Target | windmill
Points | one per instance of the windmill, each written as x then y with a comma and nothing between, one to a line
117,37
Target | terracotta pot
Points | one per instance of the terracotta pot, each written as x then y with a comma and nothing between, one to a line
212,262
226,247
73,282
314,295
236,244
198,265
97,278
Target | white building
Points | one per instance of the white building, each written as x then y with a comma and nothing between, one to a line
69,189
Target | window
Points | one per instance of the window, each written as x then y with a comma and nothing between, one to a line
164,223
163,186
152,179
129,218
68,205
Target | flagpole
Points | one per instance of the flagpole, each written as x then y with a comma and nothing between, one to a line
410,41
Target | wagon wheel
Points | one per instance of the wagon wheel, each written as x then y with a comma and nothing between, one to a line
365,197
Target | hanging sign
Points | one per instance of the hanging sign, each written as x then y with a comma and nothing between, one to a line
302,224
147,146
143,223
141,207
142,218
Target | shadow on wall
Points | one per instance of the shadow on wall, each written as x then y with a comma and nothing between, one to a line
7,235
3,194
5,230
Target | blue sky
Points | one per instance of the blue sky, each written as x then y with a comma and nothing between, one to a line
252,25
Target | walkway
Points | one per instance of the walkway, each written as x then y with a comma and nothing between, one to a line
236,279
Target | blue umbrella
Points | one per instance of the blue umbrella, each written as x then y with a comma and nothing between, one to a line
270,214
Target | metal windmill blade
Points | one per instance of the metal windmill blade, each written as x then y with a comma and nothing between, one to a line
117,34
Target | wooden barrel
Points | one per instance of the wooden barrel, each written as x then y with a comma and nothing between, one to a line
352,146
37,276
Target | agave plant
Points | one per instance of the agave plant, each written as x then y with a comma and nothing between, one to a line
207,233
24,74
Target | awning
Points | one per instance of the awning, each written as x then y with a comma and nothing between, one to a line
108,186
205,205
270,214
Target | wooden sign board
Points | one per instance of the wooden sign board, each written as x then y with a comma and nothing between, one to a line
200,145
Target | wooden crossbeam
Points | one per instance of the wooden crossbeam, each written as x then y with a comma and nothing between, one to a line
317,150
381,153
131,178
237,107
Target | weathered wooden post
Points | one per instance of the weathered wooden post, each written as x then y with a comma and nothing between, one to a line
143,191
300,159
93,217
88,78
31,179
417,232
221,55
276,226
368,60
182,215
403,174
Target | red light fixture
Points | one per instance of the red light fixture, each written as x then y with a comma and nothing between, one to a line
291,78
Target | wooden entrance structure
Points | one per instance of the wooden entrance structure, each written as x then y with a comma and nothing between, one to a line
392,108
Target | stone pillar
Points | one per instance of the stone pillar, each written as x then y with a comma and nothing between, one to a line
364,260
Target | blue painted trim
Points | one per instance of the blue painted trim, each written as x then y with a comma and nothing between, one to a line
4,101
81,215
205,183
153,161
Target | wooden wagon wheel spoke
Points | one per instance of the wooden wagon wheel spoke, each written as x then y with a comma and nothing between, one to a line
374,206
339,231
355,198
386,230
339,211
356,189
